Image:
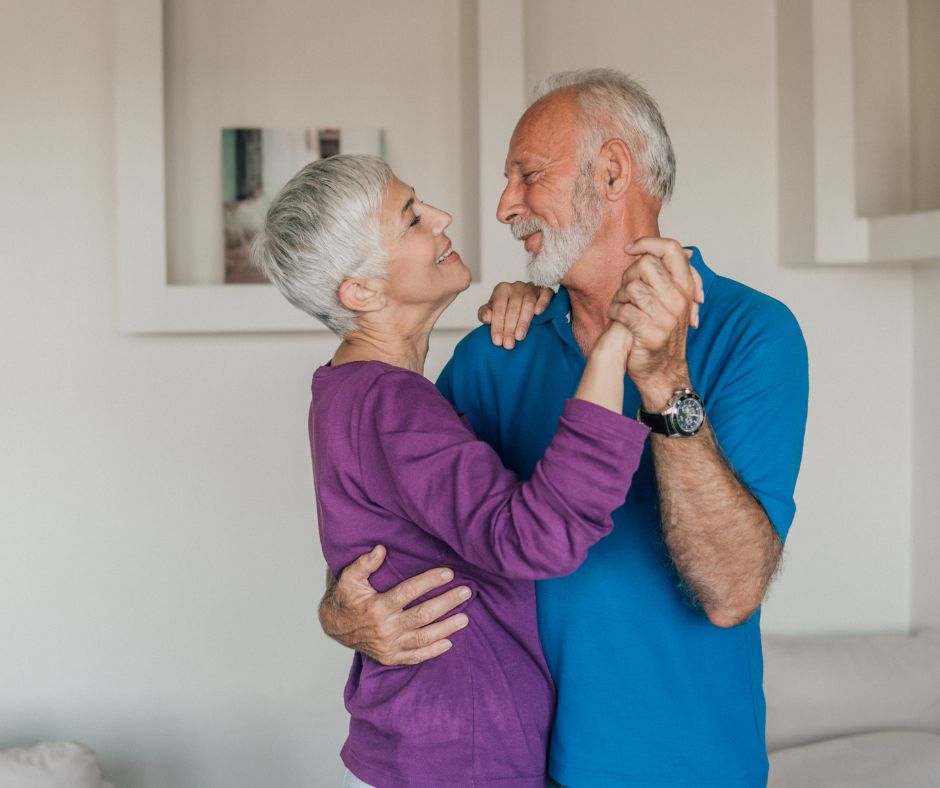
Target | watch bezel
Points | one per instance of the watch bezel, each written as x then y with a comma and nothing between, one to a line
670,414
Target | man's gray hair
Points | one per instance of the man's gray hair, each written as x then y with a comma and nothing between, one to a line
616,106
324,227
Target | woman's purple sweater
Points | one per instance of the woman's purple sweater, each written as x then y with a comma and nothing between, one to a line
394,464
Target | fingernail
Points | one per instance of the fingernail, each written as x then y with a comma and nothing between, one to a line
446,645
465,593
498,339
447,575
510,343
520,334
461,623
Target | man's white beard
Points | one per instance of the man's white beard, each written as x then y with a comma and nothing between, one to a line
561,249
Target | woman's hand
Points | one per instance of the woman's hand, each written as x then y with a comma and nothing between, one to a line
614,344
510,310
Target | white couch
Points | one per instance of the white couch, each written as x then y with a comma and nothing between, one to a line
52,764
853,712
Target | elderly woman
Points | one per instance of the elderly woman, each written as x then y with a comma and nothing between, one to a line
394,463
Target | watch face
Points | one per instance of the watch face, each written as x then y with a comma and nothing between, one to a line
689,415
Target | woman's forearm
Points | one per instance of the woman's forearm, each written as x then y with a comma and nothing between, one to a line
602,380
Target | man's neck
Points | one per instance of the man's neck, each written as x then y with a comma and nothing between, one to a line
596,276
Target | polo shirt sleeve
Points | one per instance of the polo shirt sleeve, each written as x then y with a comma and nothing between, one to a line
445,382
758,408
423,463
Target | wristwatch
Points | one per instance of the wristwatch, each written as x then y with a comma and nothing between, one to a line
682,418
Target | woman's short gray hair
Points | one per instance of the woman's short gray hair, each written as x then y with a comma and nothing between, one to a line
324,227
616,106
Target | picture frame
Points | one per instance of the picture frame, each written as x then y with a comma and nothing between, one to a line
148,304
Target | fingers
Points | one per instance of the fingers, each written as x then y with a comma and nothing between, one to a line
407,591
419,655
366,564
510,311
408,637
433,634
627,314
699,286
672,255
546,294
498,302
520,302
685,279
429,611
649,285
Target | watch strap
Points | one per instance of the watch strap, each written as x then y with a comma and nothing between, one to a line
655,421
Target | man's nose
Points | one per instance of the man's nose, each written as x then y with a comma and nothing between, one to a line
509,205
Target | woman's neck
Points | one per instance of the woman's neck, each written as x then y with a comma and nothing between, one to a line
408,351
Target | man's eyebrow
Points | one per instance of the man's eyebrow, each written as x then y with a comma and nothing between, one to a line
518,164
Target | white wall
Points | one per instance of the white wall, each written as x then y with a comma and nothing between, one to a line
158,549
926,515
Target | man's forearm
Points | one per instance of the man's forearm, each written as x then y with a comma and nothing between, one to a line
719,537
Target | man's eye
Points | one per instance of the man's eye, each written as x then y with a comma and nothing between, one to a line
527,177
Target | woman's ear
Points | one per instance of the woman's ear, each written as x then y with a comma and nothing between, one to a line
362,295
616,168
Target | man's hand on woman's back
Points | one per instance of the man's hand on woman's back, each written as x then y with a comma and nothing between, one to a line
377,624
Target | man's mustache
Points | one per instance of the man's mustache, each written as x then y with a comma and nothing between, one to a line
526,226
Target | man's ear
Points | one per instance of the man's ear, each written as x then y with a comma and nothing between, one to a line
616,165
362,295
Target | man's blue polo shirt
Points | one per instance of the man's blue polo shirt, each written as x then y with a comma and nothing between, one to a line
650,692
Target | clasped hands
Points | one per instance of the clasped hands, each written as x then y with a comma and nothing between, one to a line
657,301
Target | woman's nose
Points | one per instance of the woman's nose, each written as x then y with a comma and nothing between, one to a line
443,221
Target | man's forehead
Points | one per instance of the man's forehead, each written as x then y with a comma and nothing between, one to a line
545,131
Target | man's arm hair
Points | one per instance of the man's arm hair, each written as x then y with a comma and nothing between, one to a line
718,535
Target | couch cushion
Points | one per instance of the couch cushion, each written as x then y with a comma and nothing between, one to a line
52,764
824,688
895,759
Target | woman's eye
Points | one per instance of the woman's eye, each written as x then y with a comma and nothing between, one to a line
416,220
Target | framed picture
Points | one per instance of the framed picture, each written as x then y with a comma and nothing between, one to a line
154,299
256,163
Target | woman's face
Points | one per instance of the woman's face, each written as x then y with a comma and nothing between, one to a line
423,267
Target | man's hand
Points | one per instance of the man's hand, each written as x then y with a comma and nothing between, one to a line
355,614
658,300
510,310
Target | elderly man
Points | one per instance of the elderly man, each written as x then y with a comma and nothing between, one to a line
654,642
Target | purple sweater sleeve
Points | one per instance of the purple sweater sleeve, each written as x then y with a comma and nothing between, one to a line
426,465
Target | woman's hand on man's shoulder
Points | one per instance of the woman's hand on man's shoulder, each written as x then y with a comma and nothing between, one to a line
510,310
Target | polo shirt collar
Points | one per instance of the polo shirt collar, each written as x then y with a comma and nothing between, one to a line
560,306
